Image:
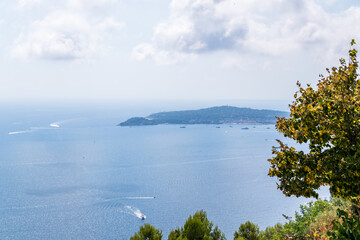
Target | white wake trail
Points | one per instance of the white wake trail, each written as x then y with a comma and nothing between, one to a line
52,125
136,212
31,129
138,197
20,132
58,124
121,198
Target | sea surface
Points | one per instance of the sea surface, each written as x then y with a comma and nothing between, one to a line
68,172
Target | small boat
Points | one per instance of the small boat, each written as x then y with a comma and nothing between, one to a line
182,127
142,216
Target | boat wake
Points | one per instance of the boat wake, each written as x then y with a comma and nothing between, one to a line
52,126
138,197
136,212
130,198
19,132
58,124
104,205
115,203
31,129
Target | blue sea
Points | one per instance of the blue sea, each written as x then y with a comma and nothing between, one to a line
68,172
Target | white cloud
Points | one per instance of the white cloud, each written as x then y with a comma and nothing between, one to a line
63,36
29,3
69,4
109,24
88,4
143,51
269,27
161,57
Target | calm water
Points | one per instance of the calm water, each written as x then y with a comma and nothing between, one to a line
85,178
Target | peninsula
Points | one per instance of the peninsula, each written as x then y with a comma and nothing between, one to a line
213,115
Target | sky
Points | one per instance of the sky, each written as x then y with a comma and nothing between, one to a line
123,50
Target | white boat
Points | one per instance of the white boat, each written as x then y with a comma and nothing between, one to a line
142,216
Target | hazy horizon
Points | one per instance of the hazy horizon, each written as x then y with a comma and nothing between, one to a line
146,105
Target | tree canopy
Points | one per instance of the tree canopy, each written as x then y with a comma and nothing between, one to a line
147,232
327,119
197,227
247,231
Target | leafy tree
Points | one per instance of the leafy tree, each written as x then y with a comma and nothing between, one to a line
197,227
175,234
273,233
147,232
347,227
327,119
300,227
216,234
247,231
315,221
323,223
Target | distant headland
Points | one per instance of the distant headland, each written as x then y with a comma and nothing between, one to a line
213,115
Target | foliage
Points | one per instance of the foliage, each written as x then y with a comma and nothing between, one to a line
197,227
300,227
147,232
322,224
347,225
327,119
313,221
273,233
175,234
247,231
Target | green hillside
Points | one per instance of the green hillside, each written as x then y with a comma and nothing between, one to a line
213,115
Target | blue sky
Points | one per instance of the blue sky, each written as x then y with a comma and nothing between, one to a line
169,50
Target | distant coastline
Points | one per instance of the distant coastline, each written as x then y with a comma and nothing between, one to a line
213,115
